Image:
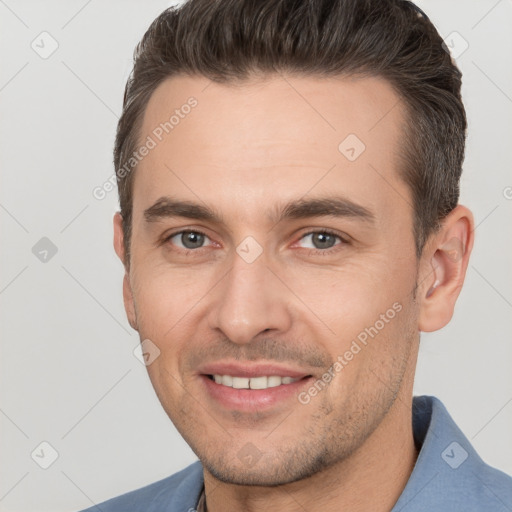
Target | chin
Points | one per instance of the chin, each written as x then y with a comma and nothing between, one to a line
267,473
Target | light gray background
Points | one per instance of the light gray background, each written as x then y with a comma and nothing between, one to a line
69,376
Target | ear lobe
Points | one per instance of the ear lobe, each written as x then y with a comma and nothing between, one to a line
119,237
449,257
129,304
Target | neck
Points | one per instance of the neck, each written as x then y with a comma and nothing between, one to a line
372,478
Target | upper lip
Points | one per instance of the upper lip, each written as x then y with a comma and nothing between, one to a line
250,370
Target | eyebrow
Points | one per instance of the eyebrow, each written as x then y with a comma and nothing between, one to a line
167,207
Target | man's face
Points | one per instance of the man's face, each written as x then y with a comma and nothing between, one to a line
260,291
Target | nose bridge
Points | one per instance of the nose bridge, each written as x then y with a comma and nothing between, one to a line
249,299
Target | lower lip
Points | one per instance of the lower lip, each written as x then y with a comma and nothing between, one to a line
251,400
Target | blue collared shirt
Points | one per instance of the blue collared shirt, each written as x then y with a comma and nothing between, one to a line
448,475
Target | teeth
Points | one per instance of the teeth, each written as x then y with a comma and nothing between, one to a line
254,382
259,383
240,382
227,380
274,381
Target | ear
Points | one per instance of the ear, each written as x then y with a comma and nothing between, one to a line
129,304
444,263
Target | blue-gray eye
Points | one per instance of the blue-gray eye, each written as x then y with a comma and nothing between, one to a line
321,240
189,239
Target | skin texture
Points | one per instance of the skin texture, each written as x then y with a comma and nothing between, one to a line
244,151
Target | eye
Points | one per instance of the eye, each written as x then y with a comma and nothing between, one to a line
188,240
317,241
321,240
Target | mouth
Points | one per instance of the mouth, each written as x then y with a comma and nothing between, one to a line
262,382
253,388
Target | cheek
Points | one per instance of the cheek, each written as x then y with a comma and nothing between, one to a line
354,294
164,297
169,312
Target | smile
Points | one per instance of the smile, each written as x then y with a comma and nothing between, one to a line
261,382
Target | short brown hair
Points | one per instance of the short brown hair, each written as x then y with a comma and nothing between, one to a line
230,40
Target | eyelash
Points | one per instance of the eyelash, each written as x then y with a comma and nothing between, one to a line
330,250
326,231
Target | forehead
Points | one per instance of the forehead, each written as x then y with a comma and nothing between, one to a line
244,145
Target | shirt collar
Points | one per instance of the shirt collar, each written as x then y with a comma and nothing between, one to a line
448,471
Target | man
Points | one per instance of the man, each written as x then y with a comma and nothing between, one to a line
288,176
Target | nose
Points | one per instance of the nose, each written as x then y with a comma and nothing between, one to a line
249,300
